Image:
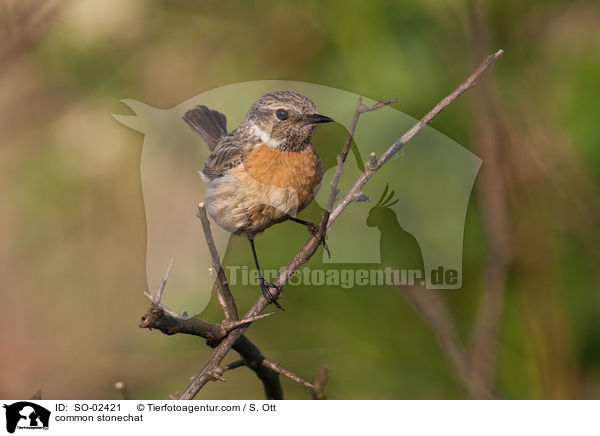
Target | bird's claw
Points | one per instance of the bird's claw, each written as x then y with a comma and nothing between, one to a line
314,231
265,288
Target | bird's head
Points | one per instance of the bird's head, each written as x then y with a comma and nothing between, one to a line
283,120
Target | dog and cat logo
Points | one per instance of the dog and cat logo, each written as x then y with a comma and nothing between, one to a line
26,415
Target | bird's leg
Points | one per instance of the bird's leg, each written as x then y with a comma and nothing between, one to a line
313,229
264,285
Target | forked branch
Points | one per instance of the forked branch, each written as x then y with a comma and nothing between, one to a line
327,219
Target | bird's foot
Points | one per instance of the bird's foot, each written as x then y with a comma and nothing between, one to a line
314,231
265,287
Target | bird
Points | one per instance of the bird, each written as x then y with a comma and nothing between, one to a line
265,171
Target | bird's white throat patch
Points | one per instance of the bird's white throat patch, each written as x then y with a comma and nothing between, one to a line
264,136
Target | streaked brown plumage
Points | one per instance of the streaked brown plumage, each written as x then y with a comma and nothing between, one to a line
265,171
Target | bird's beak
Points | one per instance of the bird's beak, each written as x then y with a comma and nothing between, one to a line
317,119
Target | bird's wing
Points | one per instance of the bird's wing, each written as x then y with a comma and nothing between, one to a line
209,124
227,154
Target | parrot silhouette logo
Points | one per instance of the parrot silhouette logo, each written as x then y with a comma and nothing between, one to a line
432,179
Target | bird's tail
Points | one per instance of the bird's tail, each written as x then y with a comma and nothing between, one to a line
209,124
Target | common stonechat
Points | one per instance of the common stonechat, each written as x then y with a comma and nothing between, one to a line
265,171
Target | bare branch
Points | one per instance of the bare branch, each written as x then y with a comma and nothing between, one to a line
303,255
377,105
310,247
224,295
467,84
156,318
160,317
401,142
333,193
360,109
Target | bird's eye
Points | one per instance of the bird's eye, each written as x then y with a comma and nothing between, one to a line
282,114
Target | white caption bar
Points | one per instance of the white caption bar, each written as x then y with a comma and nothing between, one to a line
301,417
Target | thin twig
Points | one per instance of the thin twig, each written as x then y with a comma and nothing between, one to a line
163,282
341,159
278,368
401,142
230,325
224,295
334,184
361,109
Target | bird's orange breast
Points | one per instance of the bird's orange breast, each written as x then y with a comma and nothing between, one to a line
299,170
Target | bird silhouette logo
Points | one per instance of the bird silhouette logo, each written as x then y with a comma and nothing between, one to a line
431,181
399,249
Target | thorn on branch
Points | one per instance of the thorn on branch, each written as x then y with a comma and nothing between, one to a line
279,369
171,312
372,163
227,326
163,282
362,108
216,374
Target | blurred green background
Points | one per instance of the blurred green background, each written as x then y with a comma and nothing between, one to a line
72,239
